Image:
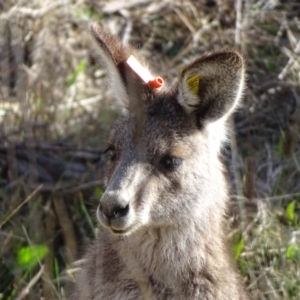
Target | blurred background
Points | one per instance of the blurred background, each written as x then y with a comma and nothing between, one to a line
56,110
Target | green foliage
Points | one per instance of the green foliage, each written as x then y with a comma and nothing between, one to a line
80,68
88,13
269,65
98,192
293,252
238,248
243,266
28,257
269,27
290,212
291,287
86,213
38,103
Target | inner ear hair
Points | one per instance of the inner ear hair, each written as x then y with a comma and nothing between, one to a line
212,86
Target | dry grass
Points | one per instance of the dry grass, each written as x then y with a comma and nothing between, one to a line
55,112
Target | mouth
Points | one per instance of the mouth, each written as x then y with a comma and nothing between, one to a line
118,232
114,226
121,232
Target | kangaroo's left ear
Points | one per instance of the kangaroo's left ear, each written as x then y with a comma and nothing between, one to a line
212,86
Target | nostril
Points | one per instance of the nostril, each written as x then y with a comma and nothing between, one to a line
115,212
121,212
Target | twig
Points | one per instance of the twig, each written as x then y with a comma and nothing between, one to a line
67,228
292,60
237,177
84,186
238,23
114,6
127,32
50,227
20,205
274,198
34,13
32,282
54,148
185,20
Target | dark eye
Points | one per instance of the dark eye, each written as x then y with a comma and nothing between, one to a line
170,163
111,153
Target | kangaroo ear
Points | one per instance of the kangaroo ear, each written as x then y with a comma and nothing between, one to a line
124,82
212,86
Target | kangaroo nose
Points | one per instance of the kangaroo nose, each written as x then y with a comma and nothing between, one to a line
114,212
113,206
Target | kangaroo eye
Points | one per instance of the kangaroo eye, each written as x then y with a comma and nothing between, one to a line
111,153
170,163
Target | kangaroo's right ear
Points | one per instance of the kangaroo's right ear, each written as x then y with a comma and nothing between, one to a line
125,84
113,54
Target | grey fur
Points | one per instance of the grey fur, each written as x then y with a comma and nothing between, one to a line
164,208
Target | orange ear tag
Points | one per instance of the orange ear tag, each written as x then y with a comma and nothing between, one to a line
153,82
156,83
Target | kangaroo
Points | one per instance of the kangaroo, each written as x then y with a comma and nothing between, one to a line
164,208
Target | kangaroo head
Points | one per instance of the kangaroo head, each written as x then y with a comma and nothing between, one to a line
163,153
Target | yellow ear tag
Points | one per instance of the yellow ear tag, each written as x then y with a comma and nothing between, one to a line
193,83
